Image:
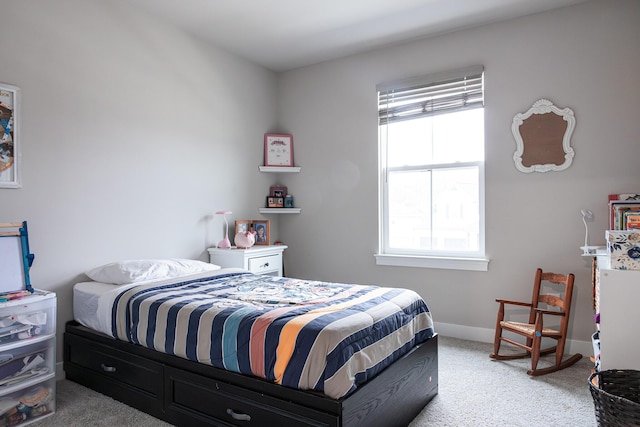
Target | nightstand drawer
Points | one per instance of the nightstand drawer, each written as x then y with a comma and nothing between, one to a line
265,264
257,259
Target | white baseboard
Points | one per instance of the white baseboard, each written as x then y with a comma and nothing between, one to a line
486,335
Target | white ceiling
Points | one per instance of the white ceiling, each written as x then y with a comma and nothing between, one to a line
286,34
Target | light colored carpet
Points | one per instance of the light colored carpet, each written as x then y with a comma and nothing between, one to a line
474,390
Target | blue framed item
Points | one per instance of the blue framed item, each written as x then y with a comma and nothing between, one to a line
15,258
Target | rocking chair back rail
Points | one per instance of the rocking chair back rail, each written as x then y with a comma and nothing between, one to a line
535,330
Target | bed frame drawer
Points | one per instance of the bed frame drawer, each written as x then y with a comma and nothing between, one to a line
189,397
116,373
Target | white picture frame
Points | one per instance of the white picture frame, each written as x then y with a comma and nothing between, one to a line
543,138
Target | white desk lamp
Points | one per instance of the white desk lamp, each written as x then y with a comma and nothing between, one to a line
587,215
225,243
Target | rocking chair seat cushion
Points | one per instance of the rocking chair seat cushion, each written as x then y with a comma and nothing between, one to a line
526,328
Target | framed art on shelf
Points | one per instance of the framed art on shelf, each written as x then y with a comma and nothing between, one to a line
275,202
262,231
9,136
278,149
243,225
288,201
277,191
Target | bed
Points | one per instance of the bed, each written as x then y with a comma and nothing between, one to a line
228,347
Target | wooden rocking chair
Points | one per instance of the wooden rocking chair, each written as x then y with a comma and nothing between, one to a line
535,331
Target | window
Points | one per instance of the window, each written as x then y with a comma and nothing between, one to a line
431,136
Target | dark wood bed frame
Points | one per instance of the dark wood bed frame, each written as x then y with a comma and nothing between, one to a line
187,393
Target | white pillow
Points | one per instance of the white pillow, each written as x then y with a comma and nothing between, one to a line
131,271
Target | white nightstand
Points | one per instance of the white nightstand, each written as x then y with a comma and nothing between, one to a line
258,259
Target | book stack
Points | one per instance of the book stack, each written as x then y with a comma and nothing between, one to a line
623,237
624,211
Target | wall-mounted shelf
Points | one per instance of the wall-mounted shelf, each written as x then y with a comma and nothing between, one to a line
280,210
279,169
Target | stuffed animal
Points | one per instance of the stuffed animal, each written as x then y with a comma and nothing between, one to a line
245,240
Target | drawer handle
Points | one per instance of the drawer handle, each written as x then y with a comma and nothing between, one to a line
107,368
266,264
237,416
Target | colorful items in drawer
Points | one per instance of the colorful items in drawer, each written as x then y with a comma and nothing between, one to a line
29,404
22,326
624,249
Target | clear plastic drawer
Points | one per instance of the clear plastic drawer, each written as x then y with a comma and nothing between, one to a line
27,317
28,404
26,363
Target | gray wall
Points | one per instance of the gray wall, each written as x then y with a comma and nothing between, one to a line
584,57
133,135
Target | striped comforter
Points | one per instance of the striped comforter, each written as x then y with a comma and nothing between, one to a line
303,334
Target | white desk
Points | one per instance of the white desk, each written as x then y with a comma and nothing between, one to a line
619,319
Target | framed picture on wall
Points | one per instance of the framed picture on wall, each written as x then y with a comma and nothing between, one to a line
9,136
278,149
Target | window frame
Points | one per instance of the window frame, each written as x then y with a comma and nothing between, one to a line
456,260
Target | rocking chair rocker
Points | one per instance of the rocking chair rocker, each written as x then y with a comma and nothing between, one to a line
535,331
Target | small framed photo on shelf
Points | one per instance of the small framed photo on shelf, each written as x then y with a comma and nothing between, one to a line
243,225
288,201
278,149
261,226
275,202
278,191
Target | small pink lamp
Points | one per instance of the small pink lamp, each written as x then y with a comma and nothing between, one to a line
225,243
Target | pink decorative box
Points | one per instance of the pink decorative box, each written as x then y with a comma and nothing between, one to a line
624,249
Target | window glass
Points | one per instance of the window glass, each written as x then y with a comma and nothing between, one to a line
444,138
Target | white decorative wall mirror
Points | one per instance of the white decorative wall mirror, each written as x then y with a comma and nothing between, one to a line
543,138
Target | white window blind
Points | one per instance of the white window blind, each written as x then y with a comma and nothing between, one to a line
429,95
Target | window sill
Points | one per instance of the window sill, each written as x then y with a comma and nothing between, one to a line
448,263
